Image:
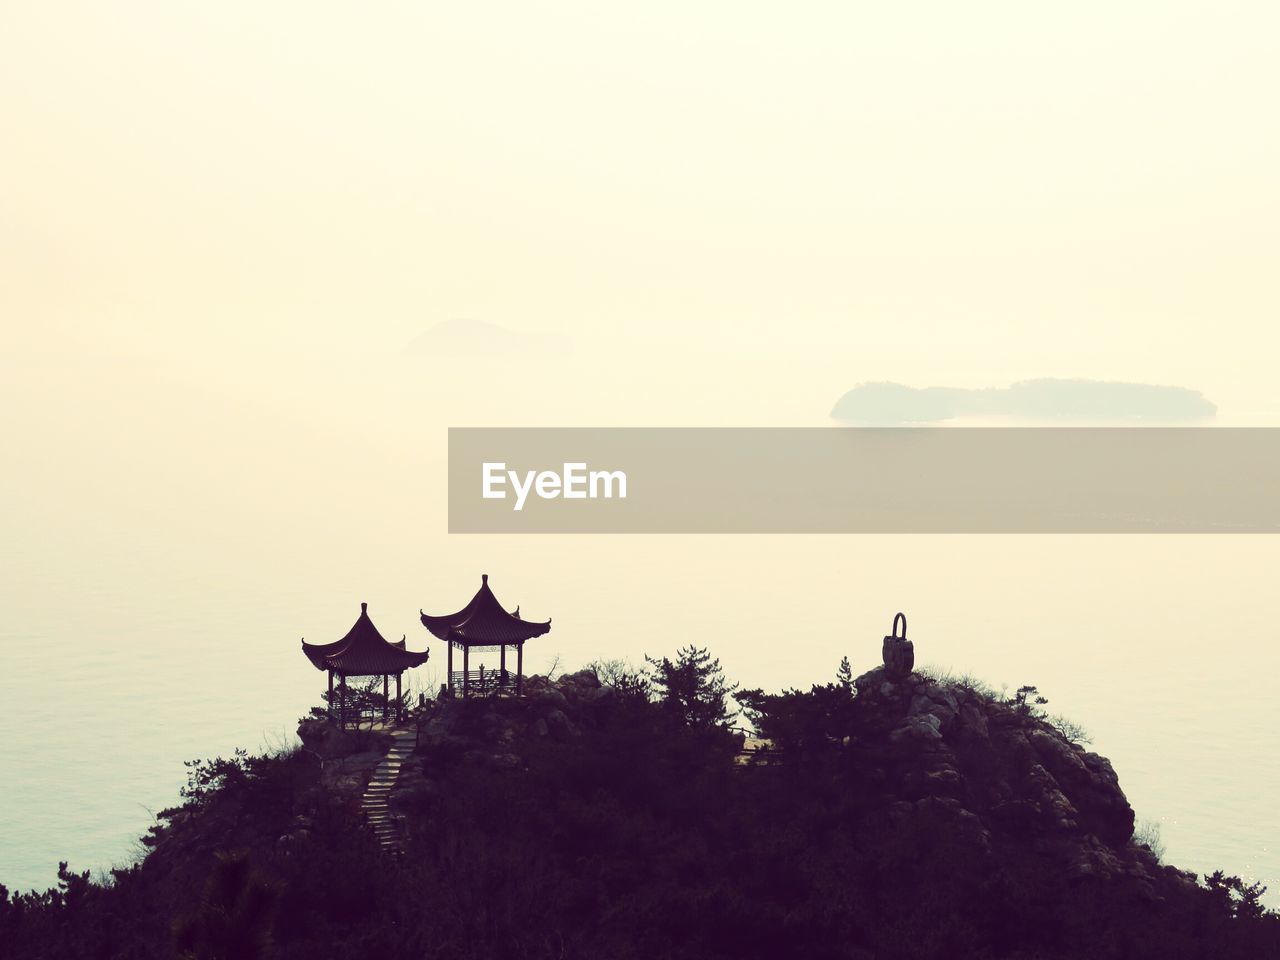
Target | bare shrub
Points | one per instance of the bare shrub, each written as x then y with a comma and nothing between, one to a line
1147,833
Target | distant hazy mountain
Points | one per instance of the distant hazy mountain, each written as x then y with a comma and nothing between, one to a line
478,338
1032,399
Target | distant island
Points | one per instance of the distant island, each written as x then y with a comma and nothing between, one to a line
618,813
1049,399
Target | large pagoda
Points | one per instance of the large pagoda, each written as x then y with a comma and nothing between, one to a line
483,625
363,652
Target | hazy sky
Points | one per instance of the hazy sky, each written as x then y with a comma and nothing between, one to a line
928,192
222,224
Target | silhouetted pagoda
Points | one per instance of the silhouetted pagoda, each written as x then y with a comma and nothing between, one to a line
483,625
363,652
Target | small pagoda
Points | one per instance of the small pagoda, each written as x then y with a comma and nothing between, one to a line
363,652
483,625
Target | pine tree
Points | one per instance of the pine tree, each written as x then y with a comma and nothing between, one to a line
692,687
844,675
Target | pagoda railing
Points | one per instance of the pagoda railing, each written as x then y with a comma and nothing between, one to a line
482,681
362,713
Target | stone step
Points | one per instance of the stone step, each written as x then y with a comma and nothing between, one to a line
373,803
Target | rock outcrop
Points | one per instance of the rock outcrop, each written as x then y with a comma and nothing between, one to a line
995,771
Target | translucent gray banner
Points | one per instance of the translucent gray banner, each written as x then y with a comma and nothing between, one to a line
850,480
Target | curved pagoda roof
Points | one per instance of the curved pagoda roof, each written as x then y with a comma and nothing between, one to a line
484,623
363,652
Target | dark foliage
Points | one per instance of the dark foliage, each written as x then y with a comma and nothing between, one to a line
637,838
802,723
234,918
692,687
1028,701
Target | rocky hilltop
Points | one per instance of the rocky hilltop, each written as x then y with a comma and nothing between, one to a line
894,815
997,773
989,771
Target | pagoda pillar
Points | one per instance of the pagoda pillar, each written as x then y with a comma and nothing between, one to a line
399,702
519,668
502,665
448,678
330,701
384,694
466,672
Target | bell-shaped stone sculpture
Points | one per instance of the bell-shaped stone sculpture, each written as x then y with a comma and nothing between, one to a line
899,653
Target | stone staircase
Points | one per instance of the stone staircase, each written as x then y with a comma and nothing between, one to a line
378,793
